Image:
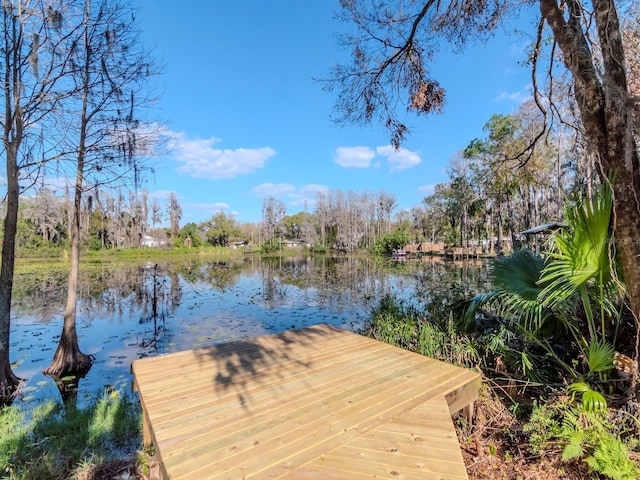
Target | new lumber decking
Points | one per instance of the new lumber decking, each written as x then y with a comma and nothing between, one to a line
313,403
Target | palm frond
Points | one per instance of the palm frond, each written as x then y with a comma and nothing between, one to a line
582,253
600,355
592,401
518,274
474,305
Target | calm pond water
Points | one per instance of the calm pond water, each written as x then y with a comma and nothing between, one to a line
128,311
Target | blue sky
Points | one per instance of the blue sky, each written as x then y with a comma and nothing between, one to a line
246,118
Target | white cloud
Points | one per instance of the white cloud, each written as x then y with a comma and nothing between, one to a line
312,189
273,189
306,196
361,157
400,159
200,159
518,97
354,157
302,197
208,207
426,189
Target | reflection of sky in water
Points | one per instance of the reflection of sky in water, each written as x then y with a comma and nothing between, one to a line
204,316
253,303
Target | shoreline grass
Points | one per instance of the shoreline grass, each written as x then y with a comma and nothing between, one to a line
59,441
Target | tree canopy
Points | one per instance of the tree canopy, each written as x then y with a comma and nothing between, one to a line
393,43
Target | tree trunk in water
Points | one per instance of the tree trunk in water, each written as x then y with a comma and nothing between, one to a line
606,112
9,382
68,359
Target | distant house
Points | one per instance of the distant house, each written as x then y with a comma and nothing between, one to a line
151,242
293,243
411,248
423,248
431,248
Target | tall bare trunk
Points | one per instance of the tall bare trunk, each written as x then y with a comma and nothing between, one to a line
605,109
499,226
13,133
9,382
68,359
510,223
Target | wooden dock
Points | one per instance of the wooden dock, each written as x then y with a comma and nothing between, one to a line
313,403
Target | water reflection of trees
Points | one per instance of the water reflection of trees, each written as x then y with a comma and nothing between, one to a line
440,286
156,301
333,283
341,283
150,289
352,281
144,296
221,275
38,292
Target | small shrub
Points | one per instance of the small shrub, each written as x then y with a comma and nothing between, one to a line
401,324
578,434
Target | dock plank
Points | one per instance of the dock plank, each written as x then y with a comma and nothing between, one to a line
318,402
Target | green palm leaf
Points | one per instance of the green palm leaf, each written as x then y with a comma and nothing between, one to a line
592,401
581,253
515,298
518,274
583,262
515,278
600,356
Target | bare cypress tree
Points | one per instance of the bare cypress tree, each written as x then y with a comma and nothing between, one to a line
156,215
32,68
273,211
175,214
110,65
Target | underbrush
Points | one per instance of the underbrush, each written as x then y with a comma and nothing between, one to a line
58,441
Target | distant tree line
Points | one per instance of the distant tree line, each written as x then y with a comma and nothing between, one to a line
109,219
490,197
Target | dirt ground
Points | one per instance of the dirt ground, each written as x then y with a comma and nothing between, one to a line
494,448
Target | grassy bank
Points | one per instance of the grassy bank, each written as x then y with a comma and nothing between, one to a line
62,254
55,441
